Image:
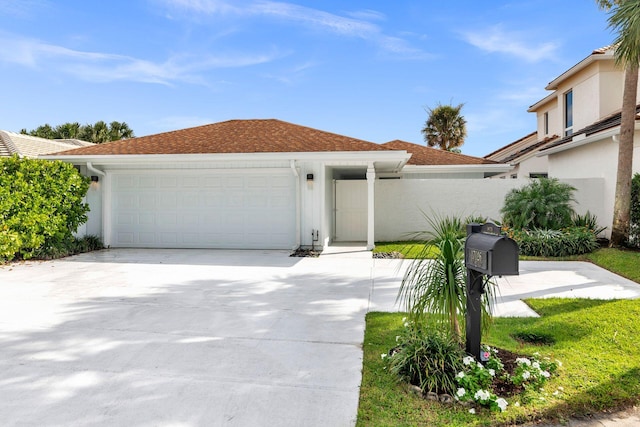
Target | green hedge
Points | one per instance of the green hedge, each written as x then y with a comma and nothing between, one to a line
555,243
41,206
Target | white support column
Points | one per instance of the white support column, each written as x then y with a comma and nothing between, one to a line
371,179
106,210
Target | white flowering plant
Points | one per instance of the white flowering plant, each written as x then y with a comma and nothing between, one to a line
475,380
532,372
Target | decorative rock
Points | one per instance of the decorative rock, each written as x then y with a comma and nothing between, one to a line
415,389
431,396
445,398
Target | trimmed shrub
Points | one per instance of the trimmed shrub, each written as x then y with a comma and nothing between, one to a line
555,243
542,204
634,230
41,206
427,357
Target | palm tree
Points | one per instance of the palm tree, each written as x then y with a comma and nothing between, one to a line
624,18
118,131
445,127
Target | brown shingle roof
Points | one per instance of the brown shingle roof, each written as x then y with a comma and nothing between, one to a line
506,147
422,155
534,147
233,136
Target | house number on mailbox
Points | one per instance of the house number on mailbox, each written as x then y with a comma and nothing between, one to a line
477,258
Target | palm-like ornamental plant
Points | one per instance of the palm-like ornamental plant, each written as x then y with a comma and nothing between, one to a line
542,204
437,286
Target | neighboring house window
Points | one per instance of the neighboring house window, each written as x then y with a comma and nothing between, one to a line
568,113
539,175
546,123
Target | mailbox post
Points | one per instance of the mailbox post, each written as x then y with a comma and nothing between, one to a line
487,253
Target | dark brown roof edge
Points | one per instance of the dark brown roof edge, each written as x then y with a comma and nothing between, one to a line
510,144
608,122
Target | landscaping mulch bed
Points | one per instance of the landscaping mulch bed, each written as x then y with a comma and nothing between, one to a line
302,253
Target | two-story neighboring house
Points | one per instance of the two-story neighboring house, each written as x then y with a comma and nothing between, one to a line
578,125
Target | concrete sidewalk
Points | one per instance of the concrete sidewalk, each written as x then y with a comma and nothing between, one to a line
537,279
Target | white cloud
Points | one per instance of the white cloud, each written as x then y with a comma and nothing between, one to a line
105,67
357,25
496,40
368,15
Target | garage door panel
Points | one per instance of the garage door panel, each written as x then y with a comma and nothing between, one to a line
203,211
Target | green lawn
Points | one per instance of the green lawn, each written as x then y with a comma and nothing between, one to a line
597,342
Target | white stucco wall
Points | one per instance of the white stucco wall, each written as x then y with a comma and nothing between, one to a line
401,204
311,201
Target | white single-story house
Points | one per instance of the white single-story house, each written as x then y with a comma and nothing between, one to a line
261,184
12,143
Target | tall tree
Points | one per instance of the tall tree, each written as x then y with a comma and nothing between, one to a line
97,133
445,128
624,18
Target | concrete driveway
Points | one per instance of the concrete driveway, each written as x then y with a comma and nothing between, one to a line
182,338
192,337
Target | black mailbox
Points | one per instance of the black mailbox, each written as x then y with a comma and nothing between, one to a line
489,252
486,252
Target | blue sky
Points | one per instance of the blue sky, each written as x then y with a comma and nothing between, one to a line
366,69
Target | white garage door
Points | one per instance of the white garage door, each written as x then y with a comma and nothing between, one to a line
203,210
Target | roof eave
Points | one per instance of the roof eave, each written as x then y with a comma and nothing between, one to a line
553,85
579,140
400,156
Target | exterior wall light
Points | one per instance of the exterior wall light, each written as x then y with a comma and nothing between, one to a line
94,178
309,177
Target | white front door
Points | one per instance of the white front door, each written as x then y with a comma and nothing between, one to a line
203,209
351,210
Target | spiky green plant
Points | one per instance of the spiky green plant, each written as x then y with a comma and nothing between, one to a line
438,286
543,203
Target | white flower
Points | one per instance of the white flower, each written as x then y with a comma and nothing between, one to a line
557,392
536,365
526,375
404,319
383,355
502,404
545,374
461,392
480,366
467,360
559,363
492,372
397,338
481,395
472,411
561,388
523,361
460,374
516,404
